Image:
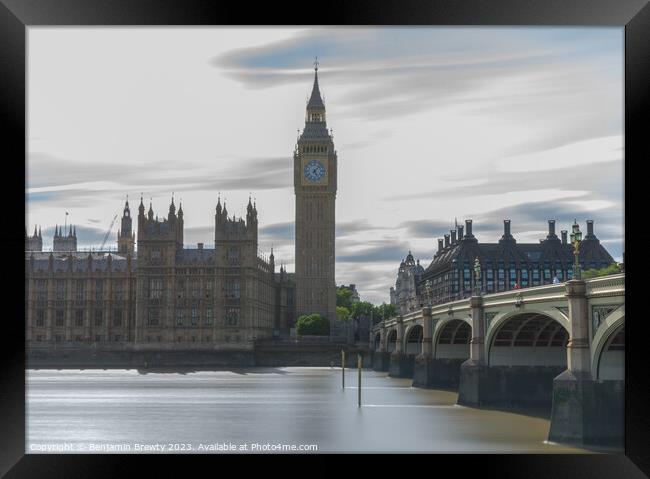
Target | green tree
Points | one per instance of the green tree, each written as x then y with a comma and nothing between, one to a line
342,314
362,309
312,325
613,268
344,297
383,311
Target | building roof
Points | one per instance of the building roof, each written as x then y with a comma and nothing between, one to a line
77,261
550,251
188,256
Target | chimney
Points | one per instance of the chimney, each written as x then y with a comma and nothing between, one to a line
460,232
468,229
439,245
507,237
200,246
551,230
590,230
453,236
564,233
446,241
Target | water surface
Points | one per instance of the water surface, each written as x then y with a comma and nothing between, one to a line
262,409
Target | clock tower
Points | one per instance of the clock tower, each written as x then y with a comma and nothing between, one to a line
314,179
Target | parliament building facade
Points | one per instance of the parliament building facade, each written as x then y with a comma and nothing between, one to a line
154,292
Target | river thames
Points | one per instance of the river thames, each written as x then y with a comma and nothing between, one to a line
262,410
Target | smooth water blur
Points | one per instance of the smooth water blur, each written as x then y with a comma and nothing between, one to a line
73,410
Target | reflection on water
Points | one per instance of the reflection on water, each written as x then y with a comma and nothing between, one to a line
74,410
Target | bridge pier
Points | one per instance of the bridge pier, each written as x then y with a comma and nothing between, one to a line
401,365
381,361
381,357
585,411
474,384
435,373
423,363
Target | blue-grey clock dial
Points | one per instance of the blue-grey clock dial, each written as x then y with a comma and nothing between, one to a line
314,170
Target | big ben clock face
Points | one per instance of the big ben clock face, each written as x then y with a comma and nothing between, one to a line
314,171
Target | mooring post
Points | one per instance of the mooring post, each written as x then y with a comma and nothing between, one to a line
343,368
359,364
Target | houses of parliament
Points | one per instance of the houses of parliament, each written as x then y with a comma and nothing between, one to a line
153,291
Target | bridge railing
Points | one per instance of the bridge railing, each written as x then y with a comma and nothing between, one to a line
606,285
612,285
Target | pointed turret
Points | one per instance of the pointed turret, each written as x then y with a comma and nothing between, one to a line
150,212
272,261
172,209
315,126
39,232
180,211
315,100
141,207
251,214
125,237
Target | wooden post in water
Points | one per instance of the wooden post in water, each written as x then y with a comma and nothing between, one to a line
359,365
343,368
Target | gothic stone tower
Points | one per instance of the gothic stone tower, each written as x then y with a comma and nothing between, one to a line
159,242
65,241
125,235
315,189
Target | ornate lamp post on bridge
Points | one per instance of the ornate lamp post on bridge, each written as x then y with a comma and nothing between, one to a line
477,276
576,238
428,287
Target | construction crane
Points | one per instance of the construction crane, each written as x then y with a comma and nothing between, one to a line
101,248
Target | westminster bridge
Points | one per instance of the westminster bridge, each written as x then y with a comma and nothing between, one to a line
560,345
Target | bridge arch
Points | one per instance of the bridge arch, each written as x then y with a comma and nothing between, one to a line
608,347
377,341
451,338
528,339
391,340
502,318
413,340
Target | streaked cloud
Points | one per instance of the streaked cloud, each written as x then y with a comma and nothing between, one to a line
430,124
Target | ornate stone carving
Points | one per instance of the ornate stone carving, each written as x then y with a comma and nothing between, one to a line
599,314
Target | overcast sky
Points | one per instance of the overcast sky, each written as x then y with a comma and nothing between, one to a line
430,124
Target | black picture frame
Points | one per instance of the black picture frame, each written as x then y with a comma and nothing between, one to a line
17,15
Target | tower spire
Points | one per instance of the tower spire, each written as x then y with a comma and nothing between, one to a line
172,208
315,101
